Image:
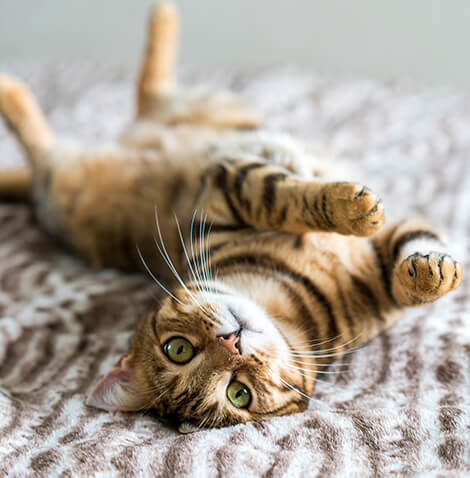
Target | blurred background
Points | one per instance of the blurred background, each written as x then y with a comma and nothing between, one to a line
423,40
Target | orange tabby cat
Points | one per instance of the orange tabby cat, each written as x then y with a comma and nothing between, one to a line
263,253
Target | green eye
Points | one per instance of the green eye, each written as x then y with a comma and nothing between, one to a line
239,395
179,350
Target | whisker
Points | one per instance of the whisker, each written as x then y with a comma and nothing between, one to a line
326,372
193,265
166,256
295,389
337,354
187,258
152,275
202,265
208,252
195,271
318,342
323,351
204,253
326,365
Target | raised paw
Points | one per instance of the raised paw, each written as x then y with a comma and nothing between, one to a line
357,210
422,278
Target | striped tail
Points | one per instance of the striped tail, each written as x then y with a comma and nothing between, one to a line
24,117
157,75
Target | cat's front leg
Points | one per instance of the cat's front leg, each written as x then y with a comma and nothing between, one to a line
419,266
346,208
251,193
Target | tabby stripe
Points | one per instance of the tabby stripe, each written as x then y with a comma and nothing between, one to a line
347,315
229,227
196,260
299,241
221,183
411,236
307,210
196,404
296,402
367,294
307,320
202,186
273,264
384,273
269,192
282,388
241,176
236,215
319,216
282,215
211,289
325,210
180,396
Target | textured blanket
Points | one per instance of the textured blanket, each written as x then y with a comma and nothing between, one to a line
400,408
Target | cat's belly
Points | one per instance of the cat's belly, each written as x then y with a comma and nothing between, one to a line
105,205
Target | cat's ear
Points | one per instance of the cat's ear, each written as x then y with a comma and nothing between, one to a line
187,427
117,390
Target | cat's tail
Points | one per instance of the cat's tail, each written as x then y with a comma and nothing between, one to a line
157,74
24,117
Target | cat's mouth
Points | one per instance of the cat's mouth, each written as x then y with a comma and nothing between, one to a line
233,340
243,323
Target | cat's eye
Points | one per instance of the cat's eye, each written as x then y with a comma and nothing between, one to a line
179,350
239,394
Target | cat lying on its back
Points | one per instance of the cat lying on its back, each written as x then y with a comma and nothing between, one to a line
272,267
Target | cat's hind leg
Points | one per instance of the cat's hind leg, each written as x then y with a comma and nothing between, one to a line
25,118
157,74
416,261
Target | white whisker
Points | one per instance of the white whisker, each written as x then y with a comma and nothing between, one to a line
323,351
195,271
152,275
167,258
187,259
327,372
295,389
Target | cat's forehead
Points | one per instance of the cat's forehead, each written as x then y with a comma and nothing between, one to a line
190,324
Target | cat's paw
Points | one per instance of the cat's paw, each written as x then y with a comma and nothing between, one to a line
358,211
426,277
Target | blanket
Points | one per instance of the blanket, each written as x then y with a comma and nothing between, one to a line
400,407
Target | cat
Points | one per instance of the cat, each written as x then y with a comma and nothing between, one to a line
272,266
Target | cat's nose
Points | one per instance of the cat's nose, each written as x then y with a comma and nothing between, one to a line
230,342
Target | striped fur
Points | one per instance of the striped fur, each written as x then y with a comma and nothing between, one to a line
302,263
396,407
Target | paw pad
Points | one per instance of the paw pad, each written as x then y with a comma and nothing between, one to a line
429,276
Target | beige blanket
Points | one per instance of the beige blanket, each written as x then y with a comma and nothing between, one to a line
401,407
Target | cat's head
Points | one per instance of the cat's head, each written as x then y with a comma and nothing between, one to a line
209,359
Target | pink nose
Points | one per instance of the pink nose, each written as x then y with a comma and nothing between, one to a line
230,343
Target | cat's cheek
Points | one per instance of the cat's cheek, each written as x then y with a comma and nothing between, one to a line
117,390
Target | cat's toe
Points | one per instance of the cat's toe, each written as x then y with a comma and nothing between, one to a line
429,276
361,211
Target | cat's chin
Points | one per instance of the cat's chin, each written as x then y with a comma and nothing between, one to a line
247,319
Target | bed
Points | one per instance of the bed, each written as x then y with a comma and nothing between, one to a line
402,404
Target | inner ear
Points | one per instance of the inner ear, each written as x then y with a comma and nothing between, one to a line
187,427
118,390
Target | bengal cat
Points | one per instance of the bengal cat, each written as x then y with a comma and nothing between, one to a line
272,266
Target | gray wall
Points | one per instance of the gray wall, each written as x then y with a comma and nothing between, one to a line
426,40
